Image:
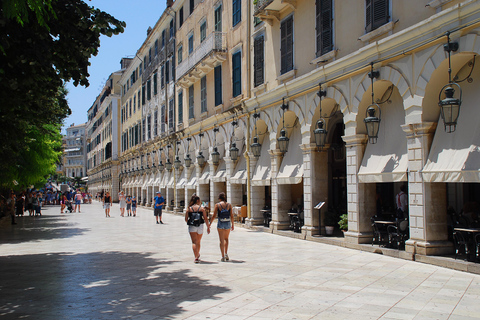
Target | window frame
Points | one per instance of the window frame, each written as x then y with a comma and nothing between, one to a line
203,94
180,106
372,19
218,85
258,69
191,102
287,63
236,12
237,74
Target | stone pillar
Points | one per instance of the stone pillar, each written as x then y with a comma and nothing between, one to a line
256,196
426,201
360,196
310,226
281,196
115,180
178,195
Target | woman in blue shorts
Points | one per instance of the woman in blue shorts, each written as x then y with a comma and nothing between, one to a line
223,210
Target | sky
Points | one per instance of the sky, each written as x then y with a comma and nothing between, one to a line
138,15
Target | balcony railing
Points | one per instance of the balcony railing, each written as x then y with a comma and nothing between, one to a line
215,42
152,66
260,5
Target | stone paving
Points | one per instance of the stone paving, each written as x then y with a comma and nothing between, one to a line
86,266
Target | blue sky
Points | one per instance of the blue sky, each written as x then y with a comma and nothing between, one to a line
138,15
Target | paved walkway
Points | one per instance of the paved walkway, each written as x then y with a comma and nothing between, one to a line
86,266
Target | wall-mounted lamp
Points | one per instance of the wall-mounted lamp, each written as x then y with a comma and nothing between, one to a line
283,139
372,122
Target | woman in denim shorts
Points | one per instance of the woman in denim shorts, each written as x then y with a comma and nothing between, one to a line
195,217
223,210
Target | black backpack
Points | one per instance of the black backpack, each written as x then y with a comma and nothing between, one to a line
195,218
224,213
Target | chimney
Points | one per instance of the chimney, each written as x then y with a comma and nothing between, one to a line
169,3
149,30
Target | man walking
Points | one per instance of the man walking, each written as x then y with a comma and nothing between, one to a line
157,208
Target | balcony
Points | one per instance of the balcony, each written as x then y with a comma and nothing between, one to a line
269,10
171,47
152,66
203,59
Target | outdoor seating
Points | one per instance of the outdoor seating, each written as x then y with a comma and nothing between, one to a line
380,235
460,243
398,234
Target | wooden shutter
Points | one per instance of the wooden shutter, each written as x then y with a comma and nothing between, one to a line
286,45
218,85
324,26
376,14
258,62
237,74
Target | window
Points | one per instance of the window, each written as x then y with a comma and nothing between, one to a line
167,71
258,61
237,12
149,89
140,69
286,45
156,47
172,31
134,103
203,94
155,123
203,31
173,67
376,14
149,127
180,54
324,26
162,77
138,95
149,55
180,17
155,83
237,73
190,44
144,62
137,134
218,19
162,118
191,114
130,108
143,95
192,6
218,85
163,38
171,114
143,129
180,107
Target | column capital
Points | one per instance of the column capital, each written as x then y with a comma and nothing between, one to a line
355,139
422,128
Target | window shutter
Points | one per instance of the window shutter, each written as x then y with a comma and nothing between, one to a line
368,15
237,74
326,25
286,45
218,85
258,63
380,13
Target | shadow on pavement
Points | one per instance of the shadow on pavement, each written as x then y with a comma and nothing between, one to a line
38,228
111,285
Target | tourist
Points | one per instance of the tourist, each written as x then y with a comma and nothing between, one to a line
195,216
10,205
107,203
63,200
224,224
129,205
20,205
123,203
134,206
78,201
157,208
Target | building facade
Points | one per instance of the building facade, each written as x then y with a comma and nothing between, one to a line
75,153
271,100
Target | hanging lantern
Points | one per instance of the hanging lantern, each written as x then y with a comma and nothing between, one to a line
177,163
320,134
161,166
372,122
283,141
450,106
200,159
234,152
168,165
256,147
215,156
188,161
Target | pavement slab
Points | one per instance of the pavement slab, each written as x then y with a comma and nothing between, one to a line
87,266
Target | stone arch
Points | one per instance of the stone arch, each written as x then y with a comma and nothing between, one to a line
292,106
263,116
332,92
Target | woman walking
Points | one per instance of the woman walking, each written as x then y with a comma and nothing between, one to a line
63,199
225,223
123,203
195,217
107,203
129,205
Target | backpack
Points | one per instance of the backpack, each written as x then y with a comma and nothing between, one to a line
224,214
195,218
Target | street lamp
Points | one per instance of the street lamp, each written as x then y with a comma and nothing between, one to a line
256,146
283,139
215,153
372,122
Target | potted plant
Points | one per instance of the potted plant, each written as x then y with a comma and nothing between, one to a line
343,222
330,221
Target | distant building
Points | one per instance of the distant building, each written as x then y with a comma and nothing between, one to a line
75,155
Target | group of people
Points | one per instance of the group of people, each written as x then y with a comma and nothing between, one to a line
126,202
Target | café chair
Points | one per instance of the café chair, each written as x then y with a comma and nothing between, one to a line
398,234
460,243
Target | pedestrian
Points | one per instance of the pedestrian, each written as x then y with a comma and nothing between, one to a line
157,208
63,199
195,217
30,203
123,203
225,223
401,201
20,204
134,206
38,204
129,205
78,201
11,206
107,203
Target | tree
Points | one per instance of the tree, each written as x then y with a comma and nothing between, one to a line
38,56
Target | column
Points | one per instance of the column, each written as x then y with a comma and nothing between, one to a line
427,201
256,197
281,197
359,195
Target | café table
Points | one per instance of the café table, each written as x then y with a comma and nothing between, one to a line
469,235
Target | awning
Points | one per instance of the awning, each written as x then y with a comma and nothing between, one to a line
157,180
151,181
83,179
261,175
240,173
72,149
291,169
192,182
221,174
145,183
164,181
182,180
455,157
138,181
387,160
171,181
205,177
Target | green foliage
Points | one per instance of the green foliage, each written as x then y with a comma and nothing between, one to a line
37,57
343,223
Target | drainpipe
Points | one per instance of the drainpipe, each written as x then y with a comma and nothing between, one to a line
247,157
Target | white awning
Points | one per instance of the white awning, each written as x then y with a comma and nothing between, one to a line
171,181
221,174
240,174
205,177
192,182
182,180
84,179
151,181
72,149
455,157
145,183
138,181
262,173
158,179
387,160
291,169
164,180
